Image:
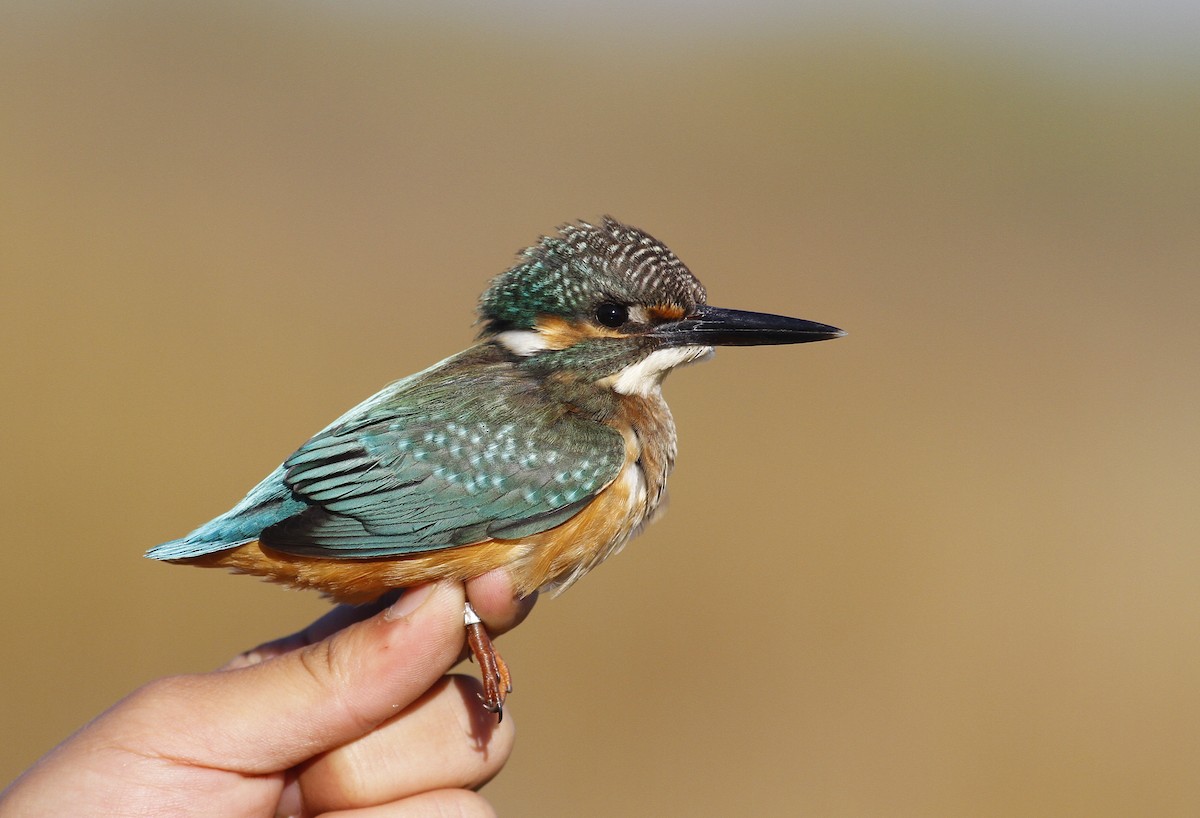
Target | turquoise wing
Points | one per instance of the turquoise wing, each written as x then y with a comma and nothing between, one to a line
466,462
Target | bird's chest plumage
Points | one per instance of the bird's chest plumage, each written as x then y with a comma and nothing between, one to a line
554,559
649,432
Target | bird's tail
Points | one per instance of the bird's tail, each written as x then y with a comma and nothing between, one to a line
268,503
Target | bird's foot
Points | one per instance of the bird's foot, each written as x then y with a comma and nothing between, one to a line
497,683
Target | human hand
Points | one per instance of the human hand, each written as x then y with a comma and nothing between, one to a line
346,718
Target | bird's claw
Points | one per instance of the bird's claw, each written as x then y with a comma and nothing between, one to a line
497,683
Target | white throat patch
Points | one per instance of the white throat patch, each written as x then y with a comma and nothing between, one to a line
523,342
646,376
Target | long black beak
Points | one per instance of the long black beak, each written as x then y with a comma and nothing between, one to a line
712,326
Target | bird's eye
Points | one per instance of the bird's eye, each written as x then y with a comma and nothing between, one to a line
612,315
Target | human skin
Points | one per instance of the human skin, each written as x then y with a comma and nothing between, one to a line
353,716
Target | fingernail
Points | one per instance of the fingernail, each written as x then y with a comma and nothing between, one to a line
408,602
250,657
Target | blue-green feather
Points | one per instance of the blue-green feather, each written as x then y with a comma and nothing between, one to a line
267,504
469,449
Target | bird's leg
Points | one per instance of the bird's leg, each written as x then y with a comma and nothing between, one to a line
497,684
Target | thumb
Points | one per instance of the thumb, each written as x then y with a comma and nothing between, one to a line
270,716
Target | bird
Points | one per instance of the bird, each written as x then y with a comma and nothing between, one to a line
541,449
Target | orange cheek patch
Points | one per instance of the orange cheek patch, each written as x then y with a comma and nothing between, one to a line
560,333
666,312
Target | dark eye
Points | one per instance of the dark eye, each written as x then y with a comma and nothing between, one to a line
612,315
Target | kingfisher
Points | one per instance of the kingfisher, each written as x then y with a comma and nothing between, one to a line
541,449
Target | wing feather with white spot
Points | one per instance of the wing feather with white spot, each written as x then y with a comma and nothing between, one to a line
445,464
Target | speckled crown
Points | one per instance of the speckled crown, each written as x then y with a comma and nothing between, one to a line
584,265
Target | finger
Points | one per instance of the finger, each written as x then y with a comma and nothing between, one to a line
491,595
330,623
272,715
443,740
493,599
436,804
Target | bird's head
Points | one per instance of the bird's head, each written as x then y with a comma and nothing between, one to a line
610,304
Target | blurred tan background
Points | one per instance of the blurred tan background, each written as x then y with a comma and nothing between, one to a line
946,566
